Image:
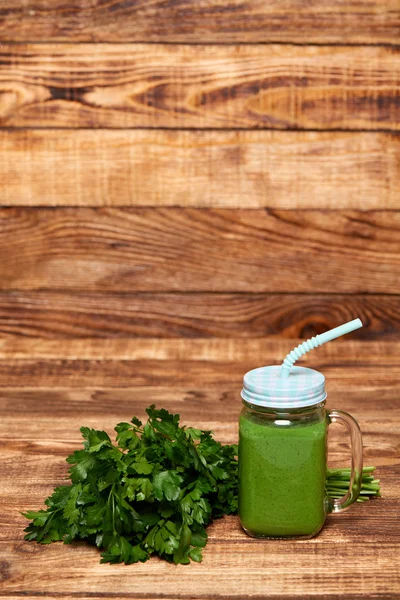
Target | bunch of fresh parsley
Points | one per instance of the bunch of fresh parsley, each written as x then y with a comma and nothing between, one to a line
151,493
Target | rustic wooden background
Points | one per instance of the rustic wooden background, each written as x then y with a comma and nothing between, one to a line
188,188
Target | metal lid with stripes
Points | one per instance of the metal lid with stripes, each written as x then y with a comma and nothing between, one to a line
265,387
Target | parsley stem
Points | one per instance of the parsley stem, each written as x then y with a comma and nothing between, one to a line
111,494
113,515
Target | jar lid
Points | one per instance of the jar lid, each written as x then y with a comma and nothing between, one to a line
265,387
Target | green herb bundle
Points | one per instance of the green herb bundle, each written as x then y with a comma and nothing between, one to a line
153,492
338,480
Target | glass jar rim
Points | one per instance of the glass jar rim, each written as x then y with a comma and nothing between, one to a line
282,410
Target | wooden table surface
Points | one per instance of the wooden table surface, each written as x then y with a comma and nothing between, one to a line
50,389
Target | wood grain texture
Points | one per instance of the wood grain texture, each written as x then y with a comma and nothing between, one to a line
343,21
76,372
201,169
72,315
279,569
356,554
133,271
264,86
198,250
271,349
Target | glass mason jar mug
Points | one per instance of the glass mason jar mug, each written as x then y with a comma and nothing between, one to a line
283,454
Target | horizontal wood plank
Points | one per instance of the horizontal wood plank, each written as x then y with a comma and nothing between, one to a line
343,21
201,404
110,373
71,315
145,85
280,569
196,250
200,169
271,349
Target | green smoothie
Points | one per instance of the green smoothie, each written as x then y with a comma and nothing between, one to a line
282,470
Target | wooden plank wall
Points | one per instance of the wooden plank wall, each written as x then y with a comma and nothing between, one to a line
198,169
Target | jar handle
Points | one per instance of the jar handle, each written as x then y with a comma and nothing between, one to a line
338,416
